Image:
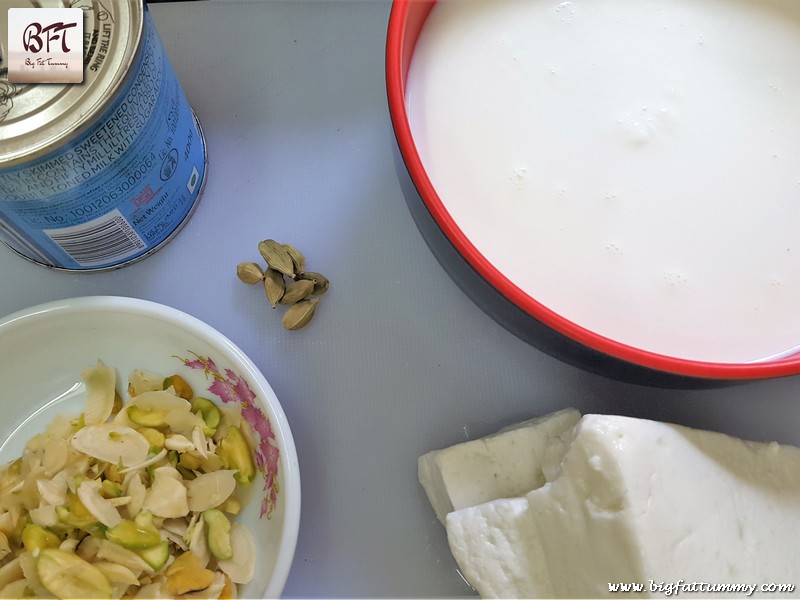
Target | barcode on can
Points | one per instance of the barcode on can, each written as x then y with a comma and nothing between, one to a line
104,240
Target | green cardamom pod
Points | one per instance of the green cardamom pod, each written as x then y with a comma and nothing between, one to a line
297,258
296,291
321,282
249,272
299,315
274,286
277,257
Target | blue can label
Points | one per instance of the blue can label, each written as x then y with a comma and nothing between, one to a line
120,188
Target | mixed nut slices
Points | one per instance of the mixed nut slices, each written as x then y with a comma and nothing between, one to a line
284,260
137,500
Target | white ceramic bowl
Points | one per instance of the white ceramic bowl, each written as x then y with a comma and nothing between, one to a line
43,350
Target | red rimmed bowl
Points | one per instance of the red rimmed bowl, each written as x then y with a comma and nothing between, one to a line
514,308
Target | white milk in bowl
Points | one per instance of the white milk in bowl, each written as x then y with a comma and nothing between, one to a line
632,165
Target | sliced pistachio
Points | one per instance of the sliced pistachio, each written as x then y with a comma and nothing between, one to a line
160,400
209,411
157,556
190,461
154,409
112,473
211,463
232,505
219,538
139,534
234,452
274,286
36,538
297,290
109,489
299,315
179,386
146,417
77,519
156,438
249,272
231,415
277,257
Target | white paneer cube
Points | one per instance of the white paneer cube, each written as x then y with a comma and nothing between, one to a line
508,463
635,501
494,549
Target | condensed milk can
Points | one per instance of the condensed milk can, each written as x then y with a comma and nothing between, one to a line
98,174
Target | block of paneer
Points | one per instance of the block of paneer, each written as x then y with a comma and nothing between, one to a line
505,464
633,501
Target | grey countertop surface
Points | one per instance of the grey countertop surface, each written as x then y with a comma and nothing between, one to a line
398,361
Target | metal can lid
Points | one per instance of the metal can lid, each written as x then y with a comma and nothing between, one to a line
35,118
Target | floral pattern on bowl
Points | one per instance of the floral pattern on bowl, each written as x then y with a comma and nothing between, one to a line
232,388
44,348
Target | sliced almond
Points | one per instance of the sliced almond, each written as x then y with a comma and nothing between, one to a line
100,508
140,381
146,463
209,490
111,443
100,383
167,496
241,567
117,573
